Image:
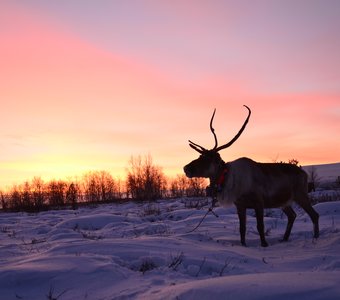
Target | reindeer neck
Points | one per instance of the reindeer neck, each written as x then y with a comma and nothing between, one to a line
216,177
215,182
219,171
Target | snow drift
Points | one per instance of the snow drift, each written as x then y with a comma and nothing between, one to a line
127,251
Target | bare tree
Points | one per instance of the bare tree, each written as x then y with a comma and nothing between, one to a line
38,193
145,181
15,198
99,186
91,187
337,181
178,186
120,188
196,187
313,179
4,202
107,186
27,203
72,195
293,161
56,190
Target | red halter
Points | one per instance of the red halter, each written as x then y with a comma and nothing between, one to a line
220,179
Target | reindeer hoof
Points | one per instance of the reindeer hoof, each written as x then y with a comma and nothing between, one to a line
264,244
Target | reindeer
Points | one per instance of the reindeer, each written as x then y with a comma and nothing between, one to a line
249,184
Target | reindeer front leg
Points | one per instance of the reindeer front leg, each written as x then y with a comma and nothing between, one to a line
241,211
260,224
291,215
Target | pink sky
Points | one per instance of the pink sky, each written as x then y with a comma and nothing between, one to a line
85,85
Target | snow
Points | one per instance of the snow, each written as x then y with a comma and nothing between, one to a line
325,172
146,251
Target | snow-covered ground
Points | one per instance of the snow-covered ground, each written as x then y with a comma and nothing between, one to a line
325,172
146,251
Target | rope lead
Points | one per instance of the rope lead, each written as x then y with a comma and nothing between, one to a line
199,224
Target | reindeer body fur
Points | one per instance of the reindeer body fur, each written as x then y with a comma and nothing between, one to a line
270,184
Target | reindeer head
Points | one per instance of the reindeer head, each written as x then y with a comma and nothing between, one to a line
210,162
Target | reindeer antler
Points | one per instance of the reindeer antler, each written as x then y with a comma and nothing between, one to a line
197,147
238,134
213,130
201,149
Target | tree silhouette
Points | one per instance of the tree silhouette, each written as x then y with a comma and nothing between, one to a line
145,181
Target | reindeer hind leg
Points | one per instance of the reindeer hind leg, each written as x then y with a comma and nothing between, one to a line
314,216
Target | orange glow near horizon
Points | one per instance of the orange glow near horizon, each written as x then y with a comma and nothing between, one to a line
85,91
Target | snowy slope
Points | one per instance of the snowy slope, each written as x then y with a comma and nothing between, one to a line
123,251
325,172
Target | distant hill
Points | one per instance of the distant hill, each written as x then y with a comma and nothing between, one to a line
325,172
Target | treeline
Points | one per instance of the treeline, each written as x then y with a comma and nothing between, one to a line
144,181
